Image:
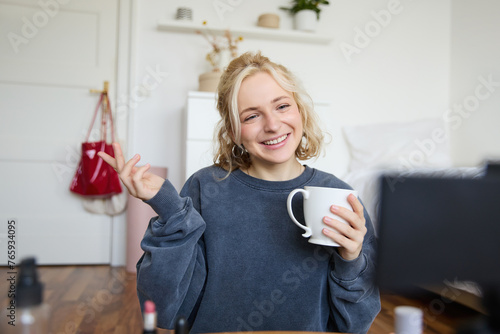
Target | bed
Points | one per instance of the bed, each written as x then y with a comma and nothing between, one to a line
419,147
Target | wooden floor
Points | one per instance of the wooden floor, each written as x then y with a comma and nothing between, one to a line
103,299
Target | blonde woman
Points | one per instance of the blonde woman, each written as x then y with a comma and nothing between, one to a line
224,253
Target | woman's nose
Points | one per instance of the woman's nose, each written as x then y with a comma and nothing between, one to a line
272,123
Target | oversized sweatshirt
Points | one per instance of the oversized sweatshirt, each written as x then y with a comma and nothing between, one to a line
225,254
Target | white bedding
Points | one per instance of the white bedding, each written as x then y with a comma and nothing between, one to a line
419,147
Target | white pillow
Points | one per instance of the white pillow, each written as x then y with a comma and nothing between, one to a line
407,145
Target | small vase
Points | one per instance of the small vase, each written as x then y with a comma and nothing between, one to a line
306,20
209,81
223,60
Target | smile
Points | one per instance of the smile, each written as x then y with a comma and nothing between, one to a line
276,141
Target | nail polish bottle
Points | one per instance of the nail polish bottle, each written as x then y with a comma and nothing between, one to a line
149,318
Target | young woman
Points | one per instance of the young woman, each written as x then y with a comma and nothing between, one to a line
224,253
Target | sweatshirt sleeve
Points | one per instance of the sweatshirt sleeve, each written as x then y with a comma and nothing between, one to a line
354,297
172,270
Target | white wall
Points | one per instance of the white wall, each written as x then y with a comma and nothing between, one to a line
400,73
475,59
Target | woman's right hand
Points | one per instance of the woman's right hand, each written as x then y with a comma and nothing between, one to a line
139,182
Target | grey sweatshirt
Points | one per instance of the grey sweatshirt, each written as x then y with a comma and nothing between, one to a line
226,255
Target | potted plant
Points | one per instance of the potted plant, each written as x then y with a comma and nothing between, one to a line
306,13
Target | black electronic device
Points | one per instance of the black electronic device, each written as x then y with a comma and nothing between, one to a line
493,170
437,229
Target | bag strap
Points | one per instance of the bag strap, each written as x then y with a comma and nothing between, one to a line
110,115
106,112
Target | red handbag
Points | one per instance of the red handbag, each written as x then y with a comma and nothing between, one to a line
94,177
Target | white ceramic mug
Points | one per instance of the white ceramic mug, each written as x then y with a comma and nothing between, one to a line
317,203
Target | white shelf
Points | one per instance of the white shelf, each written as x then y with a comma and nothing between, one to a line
253,32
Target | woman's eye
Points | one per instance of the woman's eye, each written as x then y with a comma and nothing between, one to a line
249,118
283,106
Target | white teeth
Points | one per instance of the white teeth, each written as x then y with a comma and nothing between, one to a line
275,141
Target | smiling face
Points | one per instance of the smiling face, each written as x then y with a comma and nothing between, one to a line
271,124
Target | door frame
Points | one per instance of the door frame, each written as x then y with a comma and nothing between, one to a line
125,81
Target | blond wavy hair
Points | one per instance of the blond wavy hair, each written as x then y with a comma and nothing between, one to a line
228,130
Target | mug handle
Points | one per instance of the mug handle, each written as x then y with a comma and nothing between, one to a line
290,212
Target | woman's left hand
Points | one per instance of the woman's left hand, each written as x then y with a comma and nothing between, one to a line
350,236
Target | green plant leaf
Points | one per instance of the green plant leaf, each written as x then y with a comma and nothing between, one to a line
298,5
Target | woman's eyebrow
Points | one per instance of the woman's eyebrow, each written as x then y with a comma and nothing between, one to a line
248,109
280,98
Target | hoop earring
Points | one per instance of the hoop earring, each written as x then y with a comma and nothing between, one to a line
241,151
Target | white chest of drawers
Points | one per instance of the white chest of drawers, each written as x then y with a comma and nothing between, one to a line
200,120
